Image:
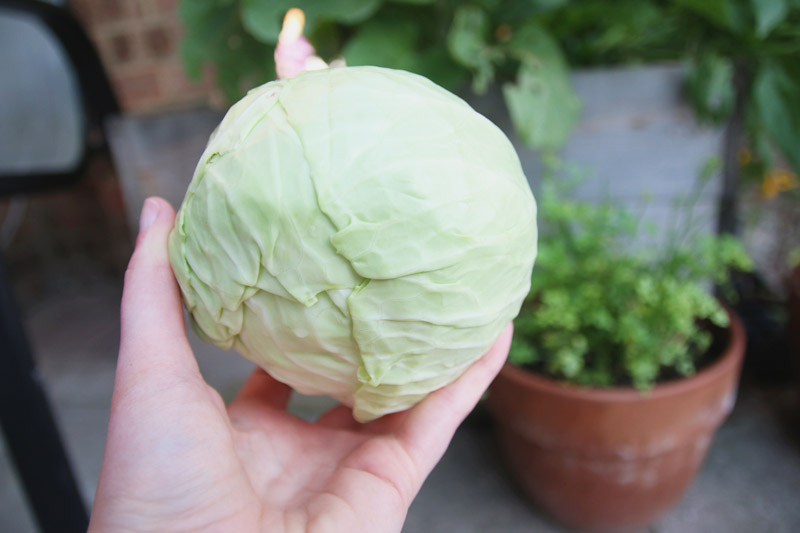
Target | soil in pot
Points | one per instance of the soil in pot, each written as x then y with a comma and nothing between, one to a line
612,459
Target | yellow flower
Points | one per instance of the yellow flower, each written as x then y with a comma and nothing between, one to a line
503,33
744,156
776,181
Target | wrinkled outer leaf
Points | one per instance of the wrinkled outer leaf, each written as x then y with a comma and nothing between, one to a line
263,18
543,106
776,94
768,14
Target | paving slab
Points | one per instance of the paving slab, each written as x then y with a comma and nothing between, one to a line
750,481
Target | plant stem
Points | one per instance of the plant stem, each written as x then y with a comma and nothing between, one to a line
727,221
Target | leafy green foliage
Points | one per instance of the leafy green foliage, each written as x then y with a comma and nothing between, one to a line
443,40
710,85
263,18
776,101
602,313
542,104
215,35
384,43
733,47
768,14
468,42
396,39
597,32
744,49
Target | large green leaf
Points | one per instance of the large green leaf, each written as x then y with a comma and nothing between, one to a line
542,104
383,43
724,13
515,11
395,43
208,25
776,100
710,83
215,36
468,44
509,9
437,65
262,18
768,14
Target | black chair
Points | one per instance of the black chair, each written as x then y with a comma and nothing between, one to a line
28,423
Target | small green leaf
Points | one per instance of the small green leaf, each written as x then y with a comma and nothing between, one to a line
710,83
726,14
542,104
467,42
436,64
215,36
776,99
384,44
768,14
208,26
263,18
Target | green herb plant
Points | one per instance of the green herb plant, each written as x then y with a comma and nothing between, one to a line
602,312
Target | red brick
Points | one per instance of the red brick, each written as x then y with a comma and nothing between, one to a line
137,90
159,41
96,13
121,48
167,6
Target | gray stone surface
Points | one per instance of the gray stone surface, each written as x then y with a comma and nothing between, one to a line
156,155
637,145
750,481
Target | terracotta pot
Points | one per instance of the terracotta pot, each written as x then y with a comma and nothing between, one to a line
612,459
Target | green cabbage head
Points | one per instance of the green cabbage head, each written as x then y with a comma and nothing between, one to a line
357,232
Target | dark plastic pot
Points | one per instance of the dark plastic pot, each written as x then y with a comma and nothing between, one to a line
612,459
794,314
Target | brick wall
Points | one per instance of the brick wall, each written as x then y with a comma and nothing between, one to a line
139,43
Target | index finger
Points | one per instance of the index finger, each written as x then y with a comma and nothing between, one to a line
430,425
153,338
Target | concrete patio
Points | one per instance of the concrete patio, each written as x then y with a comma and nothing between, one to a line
750,481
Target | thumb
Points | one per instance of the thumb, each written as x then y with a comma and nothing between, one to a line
153,337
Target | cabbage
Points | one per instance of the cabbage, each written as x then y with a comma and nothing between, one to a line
357,232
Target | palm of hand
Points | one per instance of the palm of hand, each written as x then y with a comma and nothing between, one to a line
193,464
178,460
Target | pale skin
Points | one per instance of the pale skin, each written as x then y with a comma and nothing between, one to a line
178,459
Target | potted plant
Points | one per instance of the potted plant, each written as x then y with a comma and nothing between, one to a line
623,365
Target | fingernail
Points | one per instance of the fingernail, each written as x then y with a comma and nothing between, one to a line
149,214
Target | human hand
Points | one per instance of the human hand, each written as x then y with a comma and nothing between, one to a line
177,459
